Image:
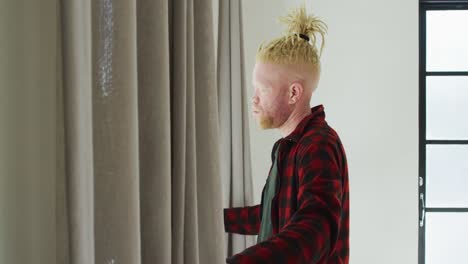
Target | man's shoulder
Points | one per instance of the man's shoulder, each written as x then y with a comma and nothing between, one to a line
319,134
319,139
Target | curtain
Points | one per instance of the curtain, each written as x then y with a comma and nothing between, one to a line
235,160
139,134
27,131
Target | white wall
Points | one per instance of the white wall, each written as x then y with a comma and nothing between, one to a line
369,88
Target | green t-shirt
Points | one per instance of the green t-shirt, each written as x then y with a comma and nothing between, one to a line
266,228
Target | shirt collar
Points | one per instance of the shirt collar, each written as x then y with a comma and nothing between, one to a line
317,115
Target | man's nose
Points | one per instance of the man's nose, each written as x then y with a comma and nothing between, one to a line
254,100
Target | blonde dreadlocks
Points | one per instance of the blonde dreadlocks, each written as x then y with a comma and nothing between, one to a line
298,45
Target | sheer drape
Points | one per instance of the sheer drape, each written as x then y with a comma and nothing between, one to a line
234,124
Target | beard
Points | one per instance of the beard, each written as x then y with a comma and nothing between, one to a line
266,122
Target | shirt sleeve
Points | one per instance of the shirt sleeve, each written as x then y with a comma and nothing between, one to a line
312,232
242,220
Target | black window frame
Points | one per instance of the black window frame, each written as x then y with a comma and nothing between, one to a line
425,5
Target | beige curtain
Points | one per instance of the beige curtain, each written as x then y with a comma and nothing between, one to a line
27,131
235,160
141,179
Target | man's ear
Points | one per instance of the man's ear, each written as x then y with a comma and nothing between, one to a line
296,91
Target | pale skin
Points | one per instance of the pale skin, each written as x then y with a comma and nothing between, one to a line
282,94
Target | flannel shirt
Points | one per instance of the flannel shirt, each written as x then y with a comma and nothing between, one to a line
310,211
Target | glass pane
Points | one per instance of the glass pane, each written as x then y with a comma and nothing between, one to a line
446,176
447,107
446,238
447,40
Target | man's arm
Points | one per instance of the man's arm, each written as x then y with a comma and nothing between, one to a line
242,220
313,230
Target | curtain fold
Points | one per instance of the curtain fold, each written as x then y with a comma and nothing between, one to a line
75,195
155,133
115,132
210,211
235,163
140,181
184,180
28,39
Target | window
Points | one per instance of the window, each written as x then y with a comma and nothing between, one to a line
443,132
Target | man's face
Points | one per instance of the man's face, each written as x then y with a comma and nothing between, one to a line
270,99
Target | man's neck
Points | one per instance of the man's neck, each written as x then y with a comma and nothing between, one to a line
294,119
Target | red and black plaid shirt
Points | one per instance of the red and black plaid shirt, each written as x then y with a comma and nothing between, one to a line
310,211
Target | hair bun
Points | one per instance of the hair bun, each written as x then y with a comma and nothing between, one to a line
299,23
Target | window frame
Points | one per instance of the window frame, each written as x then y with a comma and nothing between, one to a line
425,5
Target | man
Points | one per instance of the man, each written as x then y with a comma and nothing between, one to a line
304,213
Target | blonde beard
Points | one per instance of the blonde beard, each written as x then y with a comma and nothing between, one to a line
266,122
